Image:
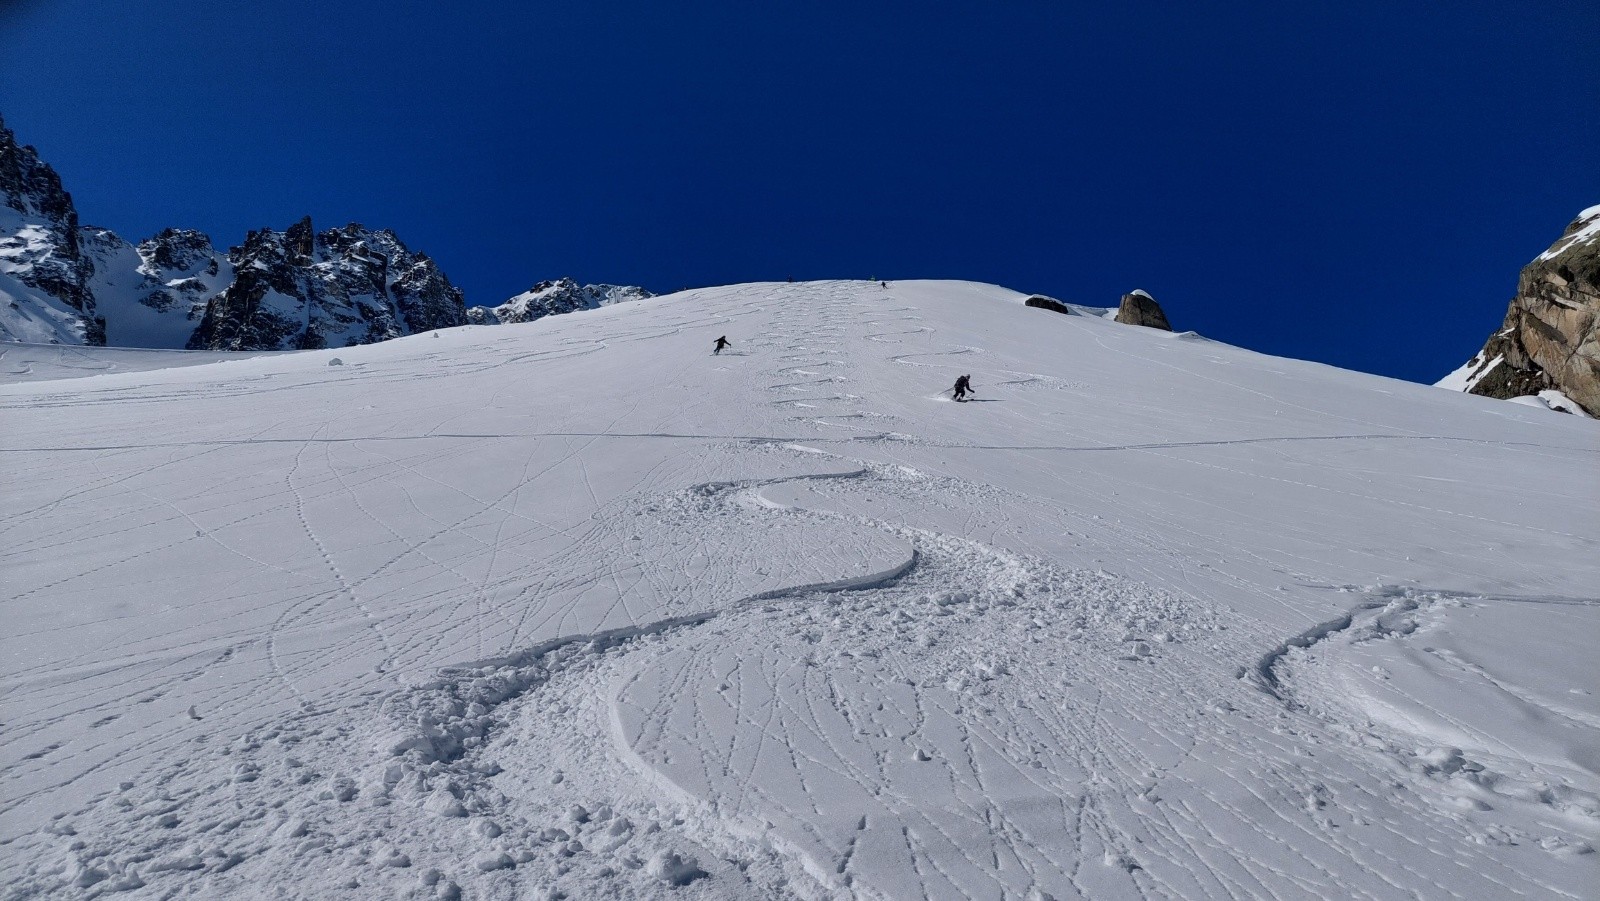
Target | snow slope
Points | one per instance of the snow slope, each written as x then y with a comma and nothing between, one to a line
575,607
30,246
46,362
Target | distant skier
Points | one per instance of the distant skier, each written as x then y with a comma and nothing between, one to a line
963,388
721,343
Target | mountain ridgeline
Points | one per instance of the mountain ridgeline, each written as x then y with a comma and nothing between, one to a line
552,298
299,288
66,283
44,273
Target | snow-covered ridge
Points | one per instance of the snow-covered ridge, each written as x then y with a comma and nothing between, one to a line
1150,617
154,294
550,298
344,287
61,283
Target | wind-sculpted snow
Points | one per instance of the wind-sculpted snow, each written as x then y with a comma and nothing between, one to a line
1153,617
1478,736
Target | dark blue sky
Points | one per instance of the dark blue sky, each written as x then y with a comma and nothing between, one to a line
1353,182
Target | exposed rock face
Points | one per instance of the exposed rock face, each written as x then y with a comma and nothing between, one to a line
153,294
1041,302
63,283
1139,308
297,289
550,298
68,284
178,249
44,275
1550,339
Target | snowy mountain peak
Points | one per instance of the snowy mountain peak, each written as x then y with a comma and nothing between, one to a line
31,186
62,283
346,286
174,251
549,298
44,293
1582,233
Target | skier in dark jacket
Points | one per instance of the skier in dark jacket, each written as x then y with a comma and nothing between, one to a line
721,343
964,387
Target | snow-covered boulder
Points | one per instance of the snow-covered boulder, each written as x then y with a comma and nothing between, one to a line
1139,308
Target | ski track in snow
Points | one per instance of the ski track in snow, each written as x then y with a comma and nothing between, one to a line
842,649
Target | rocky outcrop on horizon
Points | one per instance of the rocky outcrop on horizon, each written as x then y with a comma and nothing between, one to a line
550,298
1139,308
1040,302
1550,338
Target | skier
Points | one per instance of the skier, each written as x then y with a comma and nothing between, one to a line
963,388
721,343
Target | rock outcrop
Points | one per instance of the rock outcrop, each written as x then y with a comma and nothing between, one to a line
1039,301
1550,339
300,289
62,283
153,294
44,274
550,298
1139,308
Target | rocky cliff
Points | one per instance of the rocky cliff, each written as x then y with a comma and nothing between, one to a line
62,283
1550,339
153,294
301,289
44,274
